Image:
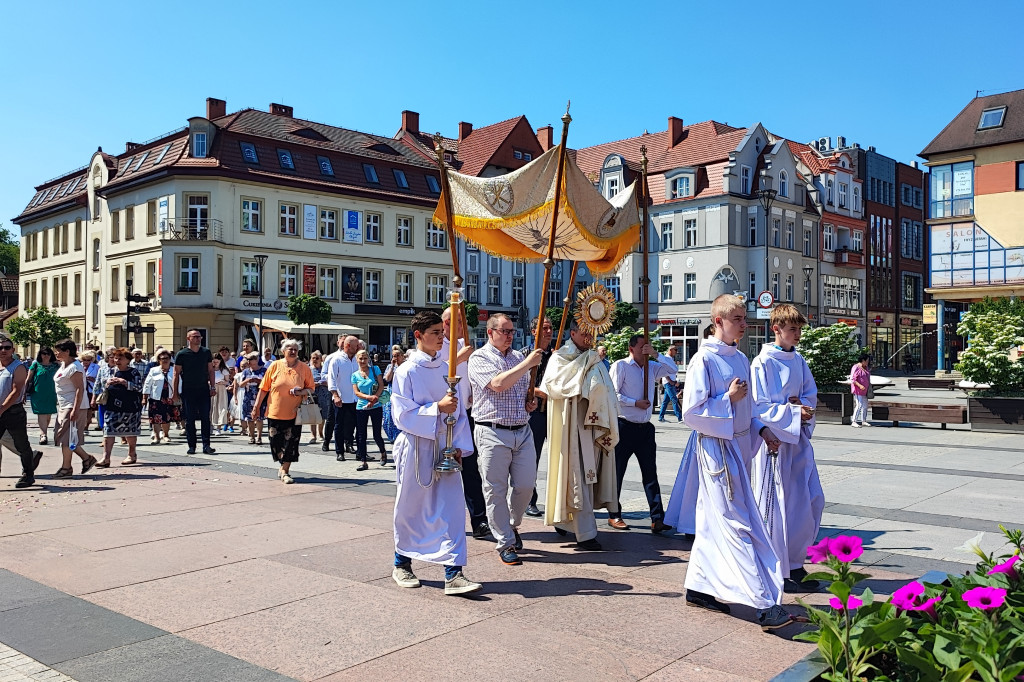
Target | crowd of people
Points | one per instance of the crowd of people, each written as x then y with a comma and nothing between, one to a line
747,490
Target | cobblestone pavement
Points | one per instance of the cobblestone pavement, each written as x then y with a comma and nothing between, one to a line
17,667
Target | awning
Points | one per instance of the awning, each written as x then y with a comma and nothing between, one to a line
283,324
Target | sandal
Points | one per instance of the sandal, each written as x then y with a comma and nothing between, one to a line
102,465
64,472
130,459
252,440
260,441
88,463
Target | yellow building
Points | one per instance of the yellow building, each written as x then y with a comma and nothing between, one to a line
341,214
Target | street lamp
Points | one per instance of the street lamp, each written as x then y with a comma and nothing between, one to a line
808,271
261,260
766,195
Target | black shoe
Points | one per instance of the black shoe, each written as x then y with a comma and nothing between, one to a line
705,601
509,556
190,451
791,586
24,482
591,545
326,447
482,532
363,466
532,510
561,532
38,456
340,457
659,527
351,449
519,541
209,451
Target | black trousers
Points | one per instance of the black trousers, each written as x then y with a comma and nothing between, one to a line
376,417
638,439
15,421
195,404
329,427
344,427
472,484
539,426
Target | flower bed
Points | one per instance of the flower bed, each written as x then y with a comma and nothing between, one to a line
965,628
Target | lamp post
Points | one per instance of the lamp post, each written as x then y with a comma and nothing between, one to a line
766,196
261,260
808,271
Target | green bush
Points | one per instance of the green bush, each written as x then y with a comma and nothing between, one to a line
617,343
830,353
993,334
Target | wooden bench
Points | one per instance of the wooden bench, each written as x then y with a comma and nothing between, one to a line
931,383
911,412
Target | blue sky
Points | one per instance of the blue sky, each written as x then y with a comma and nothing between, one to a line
888,74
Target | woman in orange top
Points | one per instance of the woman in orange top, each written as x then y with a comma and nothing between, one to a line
287,382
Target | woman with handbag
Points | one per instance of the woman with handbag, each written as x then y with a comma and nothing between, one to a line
162,410
42,390
285,385
72,408
252,375
321,394
368,384
397,358
121,396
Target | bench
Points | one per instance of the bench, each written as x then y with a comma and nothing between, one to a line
911,412
931,383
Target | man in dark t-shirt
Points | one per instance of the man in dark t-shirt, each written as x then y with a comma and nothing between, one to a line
539,417
195,384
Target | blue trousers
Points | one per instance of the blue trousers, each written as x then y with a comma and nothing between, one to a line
670,396
449,571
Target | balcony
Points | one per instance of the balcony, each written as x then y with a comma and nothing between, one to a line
192,230
853,259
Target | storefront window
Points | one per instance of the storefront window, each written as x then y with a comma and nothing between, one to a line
952,190
910,341
686,338
881,346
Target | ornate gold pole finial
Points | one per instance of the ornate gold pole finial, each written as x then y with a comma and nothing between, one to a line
566,118
438,149
643,159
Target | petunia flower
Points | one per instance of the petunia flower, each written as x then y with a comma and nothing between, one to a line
928,607
818,552
1007,567
985,597
852,603
906,597
845,547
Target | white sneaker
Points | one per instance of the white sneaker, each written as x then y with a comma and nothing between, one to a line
460,585
855,425
865,424
285,478
405,577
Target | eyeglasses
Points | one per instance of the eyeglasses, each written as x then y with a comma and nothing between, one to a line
506,332
6,347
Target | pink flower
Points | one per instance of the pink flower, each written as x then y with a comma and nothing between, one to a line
817,553
906,597
928,607
1007,567
845,547
852,603
985,597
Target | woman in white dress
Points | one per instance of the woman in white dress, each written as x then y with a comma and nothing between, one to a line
219,402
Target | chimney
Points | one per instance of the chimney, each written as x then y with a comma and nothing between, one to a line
411,122
464,130
545,137
281,110
215,108
675,131
131,146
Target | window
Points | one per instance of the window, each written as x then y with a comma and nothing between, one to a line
494,266
78,234
789,287
403,287
517,154
1020,178
285,158
404,231
745,180
400,179
328,283
289,224
807,292
198,213
991,118
129,223
919,193
952,190
56,293
437,237
790,229
828,191
150,218
95,309
828,237
494,289
906,195
690,232
666,236
775,285
690,286
856,199
527,156
252,209
150,284
250,278
776,231
437,286
95,254
78,288
249,154
807,242
912,291
681,187
198,145
370,172
840,292
666,287
554,292
433,185
857,241
372,228
325,166
842,194
611,187
518,291
752,225
752,287
372,285
288,280
783,184
220,275
162,154
614,286
188,274
115,230
328,223
473,287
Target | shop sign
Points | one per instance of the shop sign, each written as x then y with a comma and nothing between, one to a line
840,311
843,320
372,309
930,313
308,278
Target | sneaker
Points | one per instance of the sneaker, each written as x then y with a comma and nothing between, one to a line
519,541
775,617
509,556
482,532
705,601
25,481
460,585
532,510
865,424
404,576
855,425
285,478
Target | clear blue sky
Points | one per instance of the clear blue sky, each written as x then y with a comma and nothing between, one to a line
890,74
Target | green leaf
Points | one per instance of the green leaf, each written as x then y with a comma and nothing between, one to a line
821,575
831,647
841,590
927,668
891,629
960,674
946,652
858,577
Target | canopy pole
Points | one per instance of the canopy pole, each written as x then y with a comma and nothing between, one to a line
549,261
566,303
645,279
458,318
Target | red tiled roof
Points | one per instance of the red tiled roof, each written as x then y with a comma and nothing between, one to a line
477,148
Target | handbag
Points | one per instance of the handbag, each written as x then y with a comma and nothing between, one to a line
103,398
308,412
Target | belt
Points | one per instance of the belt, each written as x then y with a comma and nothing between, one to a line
494,425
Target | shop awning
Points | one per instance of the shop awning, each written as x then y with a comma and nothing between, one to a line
283,324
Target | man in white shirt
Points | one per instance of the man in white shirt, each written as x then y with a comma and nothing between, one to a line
670,391
636,432
339,383
325,372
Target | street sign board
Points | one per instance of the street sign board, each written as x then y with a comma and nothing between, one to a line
765,299
764,314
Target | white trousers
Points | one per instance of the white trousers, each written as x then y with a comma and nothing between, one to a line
860,407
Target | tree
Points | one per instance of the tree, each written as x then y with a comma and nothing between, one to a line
830,353
991,356
308,309
472,314
10,252
41,326
625,315
555,315
617,343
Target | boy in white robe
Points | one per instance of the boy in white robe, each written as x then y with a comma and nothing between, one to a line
786,484
430,513
732,557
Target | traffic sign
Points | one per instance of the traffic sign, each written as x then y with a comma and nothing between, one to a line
765,299
764,313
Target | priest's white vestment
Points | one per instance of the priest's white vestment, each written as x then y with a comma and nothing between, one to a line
787,488
430,510
732,557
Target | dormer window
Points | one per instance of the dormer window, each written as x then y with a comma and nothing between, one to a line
400,179
433,184
992,118
138,164
162,154
744,179
611,187
527,156
325,166
371,173
199,145
285,157
783,184
249,154
517,155
680,187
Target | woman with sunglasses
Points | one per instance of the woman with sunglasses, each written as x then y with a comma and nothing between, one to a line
285,385
72,408
42,390
162,410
